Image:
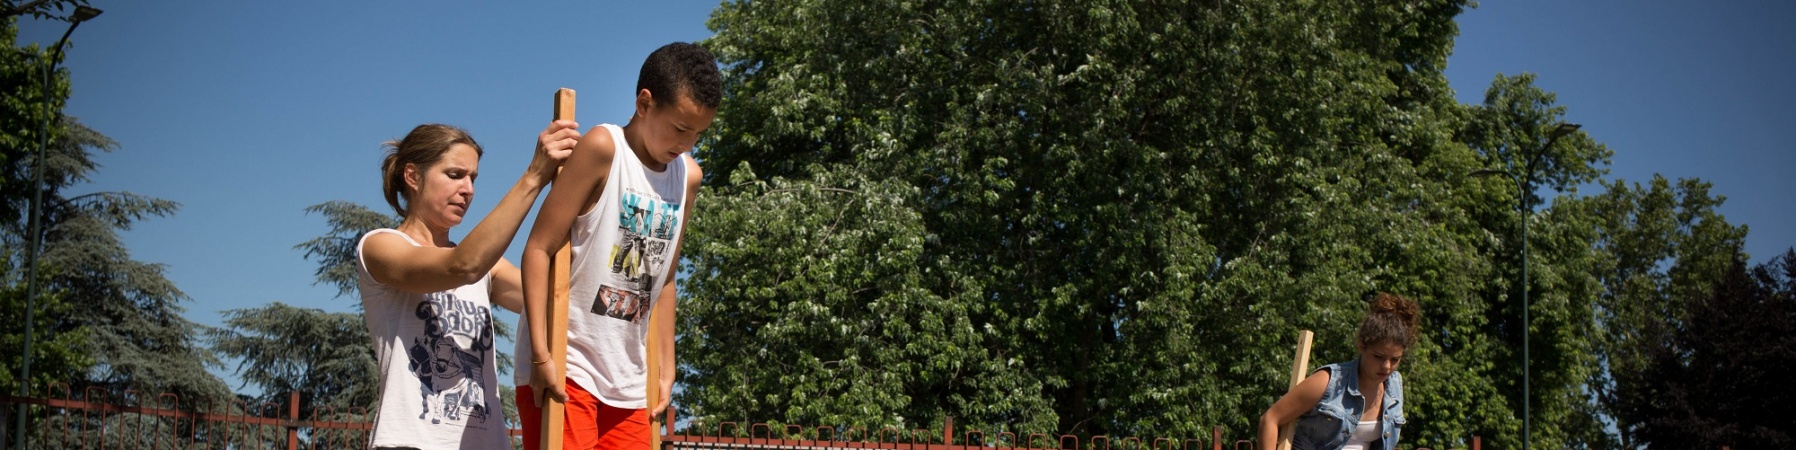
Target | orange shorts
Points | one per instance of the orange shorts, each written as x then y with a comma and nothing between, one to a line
590,424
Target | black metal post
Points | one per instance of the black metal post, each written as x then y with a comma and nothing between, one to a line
1524,184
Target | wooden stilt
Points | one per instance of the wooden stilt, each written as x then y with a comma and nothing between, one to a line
1300,366
554,413
654,385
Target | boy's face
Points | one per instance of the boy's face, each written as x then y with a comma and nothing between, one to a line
671,128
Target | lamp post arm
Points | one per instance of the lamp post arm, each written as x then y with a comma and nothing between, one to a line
56,55
1525,180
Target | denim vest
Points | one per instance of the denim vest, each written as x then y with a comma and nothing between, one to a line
1332,421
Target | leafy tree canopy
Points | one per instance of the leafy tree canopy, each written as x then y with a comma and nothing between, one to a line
42,9
1112,217
1718,380
103,318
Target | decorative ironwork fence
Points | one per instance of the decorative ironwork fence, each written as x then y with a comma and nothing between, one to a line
98,419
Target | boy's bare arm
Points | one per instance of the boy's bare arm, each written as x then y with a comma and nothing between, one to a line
665,306
582,175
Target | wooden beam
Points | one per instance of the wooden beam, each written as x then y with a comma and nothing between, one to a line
554,413
1300,366
654,383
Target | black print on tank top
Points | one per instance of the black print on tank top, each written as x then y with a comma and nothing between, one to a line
645,226
621,304
450,373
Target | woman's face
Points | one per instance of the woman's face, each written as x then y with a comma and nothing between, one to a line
1379,361
443,192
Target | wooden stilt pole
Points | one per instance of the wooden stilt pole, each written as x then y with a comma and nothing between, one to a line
654,384
1300,366
554,413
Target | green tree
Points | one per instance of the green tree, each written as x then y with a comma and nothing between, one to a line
1510,131
1121,210
128,313
1107,217
281,349
1663,246
41,9
100,318
335,251
337,372
881,326
1718,379
58,349
327,357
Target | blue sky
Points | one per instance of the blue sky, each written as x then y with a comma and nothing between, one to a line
247,112
1682,89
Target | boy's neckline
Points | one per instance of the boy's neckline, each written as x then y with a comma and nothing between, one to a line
642,158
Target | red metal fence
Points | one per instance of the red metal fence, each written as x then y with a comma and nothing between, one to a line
743,435
96,419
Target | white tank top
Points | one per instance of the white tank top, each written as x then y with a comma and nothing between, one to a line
622,250
1363,435
439,381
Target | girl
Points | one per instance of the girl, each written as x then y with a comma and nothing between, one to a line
1354,405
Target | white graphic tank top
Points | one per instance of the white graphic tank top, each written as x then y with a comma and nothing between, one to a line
621,252
439,381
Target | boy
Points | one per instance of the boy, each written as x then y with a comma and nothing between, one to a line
623,198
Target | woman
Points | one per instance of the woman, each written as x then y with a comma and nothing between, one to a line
1354,405
427,300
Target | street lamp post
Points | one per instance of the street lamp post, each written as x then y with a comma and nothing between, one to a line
81,14
1524,183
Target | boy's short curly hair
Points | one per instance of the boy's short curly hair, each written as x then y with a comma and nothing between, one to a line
682,68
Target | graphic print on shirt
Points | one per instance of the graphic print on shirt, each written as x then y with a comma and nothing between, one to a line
646,224
450,359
